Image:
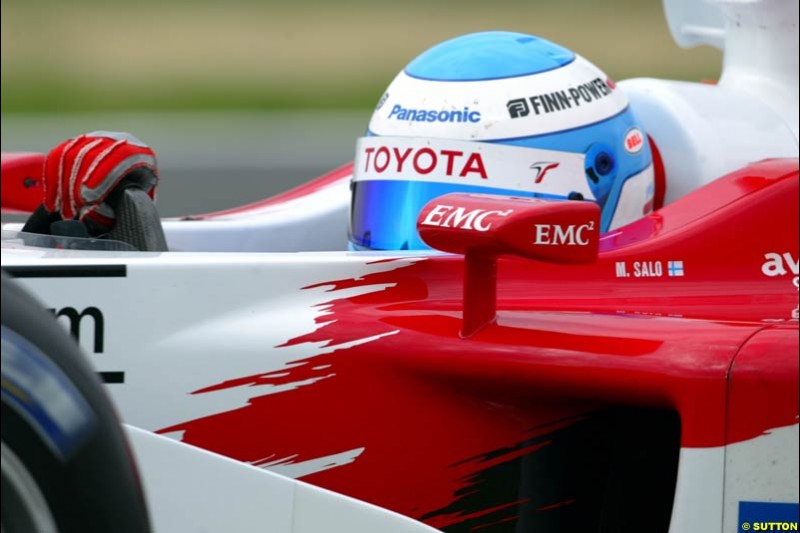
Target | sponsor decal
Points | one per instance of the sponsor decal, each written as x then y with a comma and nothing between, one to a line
466,114
432,160
558,235
74,321
780,265
649,269
448,216
424,161
541,168
75,318
68,271
634,141
518,107
571,97
768,516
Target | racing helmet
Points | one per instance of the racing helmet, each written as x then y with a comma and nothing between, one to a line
496,113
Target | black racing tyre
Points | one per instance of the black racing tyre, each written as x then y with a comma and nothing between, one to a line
66,466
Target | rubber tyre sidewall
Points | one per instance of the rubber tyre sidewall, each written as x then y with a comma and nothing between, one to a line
96,488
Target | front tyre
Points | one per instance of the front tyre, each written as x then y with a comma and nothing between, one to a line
66,465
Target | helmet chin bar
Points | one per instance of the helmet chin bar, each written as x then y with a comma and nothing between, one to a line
483,227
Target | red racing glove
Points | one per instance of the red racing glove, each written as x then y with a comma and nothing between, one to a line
80,174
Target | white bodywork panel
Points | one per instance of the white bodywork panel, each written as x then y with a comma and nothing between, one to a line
706,131
199,319
763,469
316,221
713,481
695,22
697,507
189,489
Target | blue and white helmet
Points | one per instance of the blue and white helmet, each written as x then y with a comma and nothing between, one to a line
503,113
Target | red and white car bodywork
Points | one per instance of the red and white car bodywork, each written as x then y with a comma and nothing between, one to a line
652,387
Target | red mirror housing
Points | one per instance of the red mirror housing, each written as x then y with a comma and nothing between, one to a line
545,230
485,226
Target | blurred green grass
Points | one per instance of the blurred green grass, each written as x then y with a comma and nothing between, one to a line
93,55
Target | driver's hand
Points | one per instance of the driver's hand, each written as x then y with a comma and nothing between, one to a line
82,174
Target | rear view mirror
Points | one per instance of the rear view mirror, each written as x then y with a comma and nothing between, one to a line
484,226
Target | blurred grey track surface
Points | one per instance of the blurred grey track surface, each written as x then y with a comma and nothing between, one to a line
211,160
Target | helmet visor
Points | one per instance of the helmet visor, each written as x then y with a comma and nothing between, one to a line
394,177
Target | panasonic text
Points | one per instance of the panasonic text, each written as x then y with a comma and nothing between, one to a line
466,114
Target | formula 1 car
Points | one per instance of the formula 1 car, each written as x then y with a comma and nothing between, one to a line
645,379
